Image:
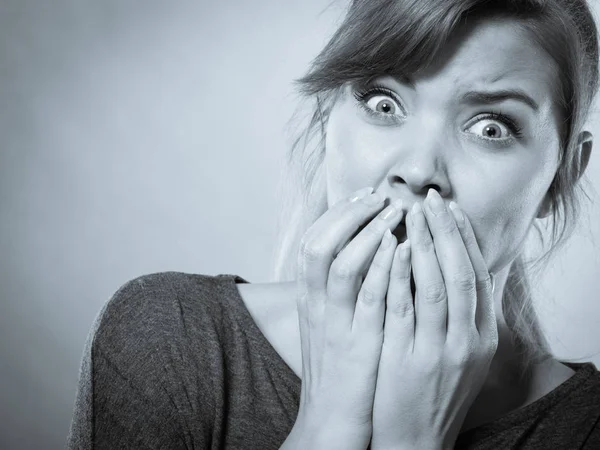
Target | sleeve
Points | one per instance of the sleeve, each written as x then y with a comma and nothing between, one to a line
135,390
112,412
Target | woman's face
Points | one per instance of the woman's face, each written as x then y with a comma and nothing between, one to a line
480,127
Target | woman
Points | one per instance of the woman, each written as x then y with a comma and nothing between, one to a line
442,132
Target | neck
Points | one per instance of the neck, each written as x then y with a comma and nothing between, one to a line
505,388
508,362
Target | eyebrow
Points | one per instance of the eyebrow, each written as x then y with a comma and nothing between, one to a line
474,97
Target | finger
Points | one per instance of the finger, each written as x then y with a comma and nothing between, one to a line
456,267
370,304
485,316
322,241
349,268
330,231
430,296
399,326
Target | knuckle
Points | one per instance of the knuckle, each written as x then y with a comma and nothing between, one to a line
463,354
445,225
423,244
305,240
401,276
435,292
464,280
461,359
402,309
368,295
310,252
342,270
484,285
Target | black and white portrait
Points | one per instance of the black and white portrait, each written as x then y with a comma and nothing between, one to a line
348,224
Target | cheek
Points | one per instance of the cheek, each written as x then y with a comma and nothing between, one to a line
502,221
502,242
502,200
350,160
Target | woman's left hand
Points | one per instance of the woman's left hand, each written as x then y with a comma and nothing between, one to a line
436,354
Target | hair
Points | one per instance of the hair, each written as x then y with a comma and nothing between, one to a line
380,37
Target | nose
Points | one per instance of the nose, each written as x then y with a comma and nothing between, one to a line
418,163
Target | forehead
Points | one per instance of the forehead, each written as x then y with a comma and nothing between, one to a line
498,52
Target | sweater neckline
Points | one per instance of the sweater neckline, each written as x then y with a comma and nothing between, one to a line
583,372
268,354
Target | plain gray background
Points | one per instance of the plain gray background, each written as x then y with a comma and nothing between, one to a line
146,136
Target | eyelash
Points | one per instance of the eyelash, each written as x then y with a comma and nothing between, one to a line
515,129
363,95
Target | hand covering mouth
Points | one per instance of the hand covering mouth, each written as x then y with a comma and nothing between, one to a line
399,231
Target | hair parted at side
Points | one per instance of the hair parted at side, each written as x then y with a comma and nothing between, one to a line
404,37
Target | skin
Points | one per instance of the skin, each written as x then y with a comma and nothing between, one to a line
433,140
500,187
436,141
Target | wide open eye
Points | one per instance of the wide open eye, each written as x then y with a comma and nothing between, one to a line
381,103
490,129
495,126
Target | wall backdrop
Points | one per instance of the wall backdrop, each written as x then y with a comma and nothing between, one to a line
139,137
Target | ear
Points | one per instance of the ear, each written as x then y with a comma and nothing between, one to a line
584,150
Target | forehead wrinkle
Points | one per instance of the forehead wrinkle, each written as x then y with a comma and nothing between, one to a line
519,78
494,51
500,76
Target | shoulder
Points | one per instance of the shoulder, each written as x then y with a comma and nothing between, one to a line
151,357
590,410
151,314
161,288
581,411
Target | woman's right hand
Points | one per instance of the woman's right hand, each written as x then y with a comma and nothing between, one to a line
341,320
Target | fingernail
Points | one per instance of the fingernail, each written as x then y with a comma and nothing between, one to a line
361,193
392,210
436,204
373,199
457,213
418,219
389,212
387,239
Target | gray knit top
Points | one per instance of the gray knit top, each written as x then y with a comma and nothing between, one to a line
176,361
